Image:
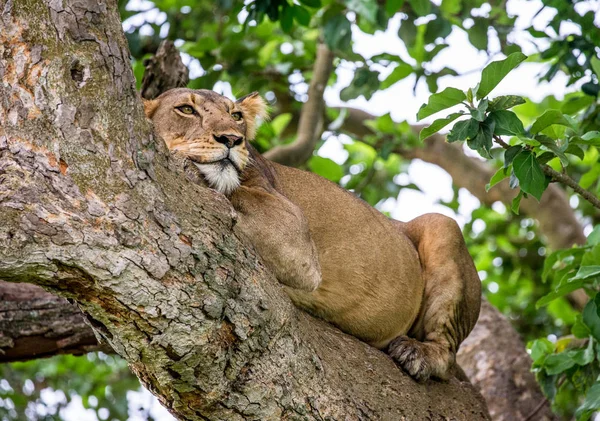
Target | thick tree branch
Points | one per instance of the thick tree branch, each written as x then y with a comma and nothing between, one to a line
35,323
311,116
94,210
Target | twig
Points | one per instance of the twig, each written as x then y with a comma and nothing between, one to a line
561,178
536,409
568,181
311,117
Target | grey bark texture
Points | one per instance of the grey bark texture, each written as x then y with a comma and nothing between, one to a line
94,210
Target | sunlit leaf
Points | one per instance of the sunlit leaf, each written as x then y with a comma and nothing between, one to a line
494,72
437,125
550,117
449,97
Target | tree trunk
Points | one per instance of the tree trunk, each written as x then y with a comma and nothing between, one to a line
93,209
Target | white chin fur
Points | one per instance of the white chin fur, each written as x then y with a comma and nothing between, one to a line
224,179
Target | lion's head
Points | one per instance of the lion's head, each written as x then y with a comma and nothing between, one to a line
210,129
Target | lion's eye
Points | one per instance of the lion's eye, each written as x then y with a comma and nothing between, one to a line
237,116
186,109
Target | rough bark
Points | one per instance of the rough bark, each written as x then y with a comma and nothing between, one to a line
94,210
164,71
503,372
35,324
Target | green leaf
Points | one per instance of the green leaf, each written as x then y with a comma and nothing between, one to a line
561,291
450,7
483,142
449,97
510,153
540,349
585,356
589,178
591,317
280,122
505,102
575,150
311,3
365,83
479,112
408,32
506,123
470,95
266,52
580,330
557,363
400,72
549,118
478,34
463,130
325,167
591,89
575,104
383,124
437,125
437,28
420,7
302,15
363,8
529,172
591,138
393,6
591,402
494,72
595,62
549,143
594,237
500,175
586,272
287,18
338,33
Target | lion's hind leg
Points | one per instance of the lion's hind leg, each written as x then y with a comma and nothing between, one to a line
451,299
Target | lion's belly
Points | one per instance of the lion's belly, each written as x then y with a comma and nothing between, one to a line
372,285
365,295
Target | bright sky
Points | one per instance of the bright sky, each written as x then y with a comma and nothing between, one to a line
403,105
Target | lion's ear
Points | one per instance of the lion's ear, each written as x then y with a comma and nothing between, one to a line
253,106
150,106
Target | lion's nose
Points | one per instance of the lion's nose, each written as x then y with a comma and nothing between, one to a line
229,140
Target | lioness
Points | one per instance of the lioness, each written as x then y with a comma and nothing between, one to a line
408,288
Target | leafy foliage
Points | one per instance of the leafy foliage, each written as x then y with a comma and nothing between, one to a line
553,135
40,390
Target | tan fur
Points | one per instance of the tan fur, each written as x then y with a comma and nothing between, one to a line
408,288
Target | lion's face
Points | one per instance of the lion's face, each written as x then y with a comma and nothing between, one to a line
209,129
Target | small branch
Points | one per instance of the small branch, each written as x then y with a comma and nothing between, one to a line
165,70
501,142
536,409
561,178
311,117
568,181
